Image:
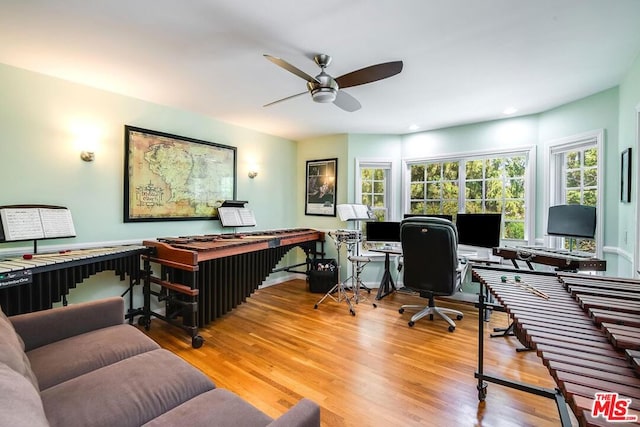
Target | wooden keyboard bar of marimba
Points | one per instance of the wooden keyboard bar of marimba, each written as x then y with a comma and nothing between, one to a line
584,353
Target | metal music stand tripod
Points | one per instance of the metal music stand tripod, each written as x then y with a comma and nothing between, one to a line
339,237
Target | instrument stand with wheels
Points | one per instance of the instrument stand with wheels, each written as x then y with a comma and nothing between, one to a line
339,237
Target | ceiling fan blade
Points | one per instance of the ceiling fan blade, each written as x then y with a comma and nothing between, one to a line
290,68
370,74
284,99
346,102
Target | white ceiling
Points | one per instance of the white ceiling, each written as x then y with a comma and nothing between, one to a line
464,60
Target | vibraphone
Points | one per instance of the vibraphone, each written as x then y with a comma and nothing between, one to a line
586,330
34,284
203,277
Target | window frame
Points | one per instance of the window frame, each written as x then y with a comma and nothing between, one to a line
376,163
553,180
528,151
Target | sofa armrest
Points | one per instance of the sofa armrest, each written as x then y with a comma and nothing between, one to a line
305,413
47,326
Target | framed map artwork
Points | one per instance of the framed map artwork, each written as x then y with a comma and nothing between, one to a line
169,177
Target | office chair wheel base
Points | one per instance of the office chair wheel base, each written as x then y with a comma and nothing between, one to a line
411,323
315,306
401,311
452,328
459,317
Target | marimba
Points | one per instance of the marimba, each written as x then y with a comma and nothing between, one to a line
204,277
34,284
584,328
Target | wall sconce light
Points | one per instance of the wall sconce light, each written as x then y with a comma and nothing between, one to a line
253,174
88,156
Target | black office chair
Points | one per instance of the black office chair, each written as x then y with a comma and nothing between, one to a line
430,252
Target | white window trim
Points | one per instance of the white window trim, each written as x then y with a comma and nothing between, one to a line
530,177
383,163
552,169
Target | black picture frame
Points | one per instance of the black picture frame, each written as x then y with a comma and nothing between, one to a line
625,176
321,183
175,178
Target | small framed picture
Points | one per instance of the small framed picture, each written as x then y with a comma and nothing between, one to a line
625,176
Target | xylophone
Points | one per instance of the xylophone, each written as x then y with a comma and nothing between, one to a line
586,331
204,277
34,284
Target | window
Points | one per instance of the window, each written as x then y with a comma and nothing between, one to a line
373,187
575,178
479,183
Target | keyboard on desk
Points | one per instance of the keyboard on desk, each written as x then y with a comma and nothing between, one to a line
560,258
556,251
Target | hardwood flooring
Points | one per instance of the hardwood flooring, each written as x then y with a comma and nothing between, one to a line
365,370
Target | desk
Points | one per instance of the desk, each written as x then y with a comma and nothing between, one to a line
386,285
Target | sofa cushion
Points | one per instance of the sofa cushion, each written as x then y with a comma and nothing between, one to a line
20,404
126,393
215,408
71,357
12,350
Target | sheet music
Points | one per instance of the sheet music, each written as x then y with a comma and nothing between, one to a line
348,212
36,223
57,223
21,224
236,217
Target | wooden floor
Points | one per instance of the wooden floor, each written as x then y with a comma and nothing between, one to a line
365,370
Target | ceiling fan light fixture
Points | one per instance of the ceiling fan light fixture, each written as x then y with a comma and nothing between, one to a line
324,94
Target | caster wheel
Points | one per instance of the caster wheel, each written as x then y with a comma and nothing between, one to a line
315,306
411,323
482,392
353,313
452,328
369,291
401,311
459,317
197,341
144,321
375,306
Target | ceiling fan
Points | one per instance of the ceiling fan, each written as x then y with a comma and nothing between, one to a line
324,88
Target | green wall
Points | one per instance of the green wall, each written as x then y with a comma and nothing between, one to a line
40,122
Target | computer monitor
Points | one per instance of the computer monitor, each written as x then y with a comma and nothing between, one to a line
572,221
443,216
383,231
479,229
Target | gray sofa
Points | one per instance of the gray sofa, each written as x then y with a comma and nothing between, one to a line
82,366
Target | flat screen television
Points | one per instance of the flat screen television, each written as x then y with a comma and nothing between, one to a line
572,221
480,230
383,231
443,216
